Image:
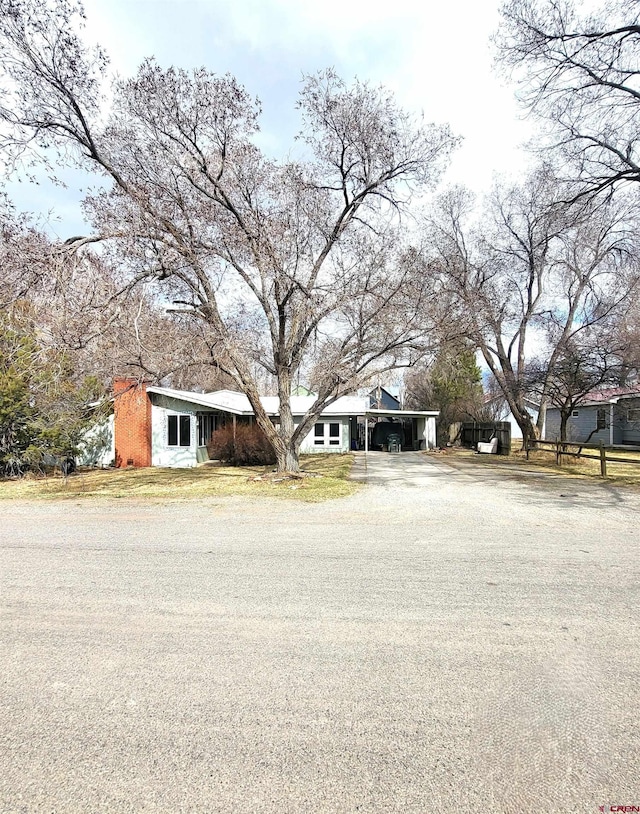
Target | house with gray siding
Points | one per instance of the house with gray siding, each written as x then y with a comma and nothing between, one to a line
381,399
611,417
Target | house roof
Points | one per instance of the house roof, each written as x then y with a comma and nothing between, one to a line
609,395
230,401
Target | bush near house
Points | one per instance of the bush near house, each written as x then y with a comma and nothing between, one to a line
248,446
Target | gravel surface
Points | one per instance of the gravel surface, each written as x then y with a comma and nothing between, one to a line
445,640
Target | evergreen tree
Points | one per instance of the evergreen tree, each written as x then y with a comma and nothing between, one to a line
44,409
452,384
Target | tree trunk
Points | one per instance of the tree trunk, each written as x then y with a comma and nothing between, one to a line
564,419
287,454
288,460
523,420
508,381
286,450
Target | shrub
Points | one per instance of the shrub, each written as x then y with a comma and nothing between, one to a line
250,447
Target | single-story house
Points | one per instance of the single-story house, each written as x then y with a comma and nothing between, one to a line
610,416
158,426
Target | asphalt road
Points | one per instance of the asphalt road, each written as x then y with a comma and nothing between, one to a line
444,641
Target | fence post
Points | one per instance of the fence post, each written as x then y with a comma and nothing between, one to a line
603,461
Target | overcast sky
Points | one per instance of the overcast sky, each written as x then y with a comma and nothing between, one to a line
436,57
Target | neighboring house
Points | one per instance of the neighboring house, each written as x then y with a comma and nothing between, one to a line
500,412
381,399
158,426
301,390
609,416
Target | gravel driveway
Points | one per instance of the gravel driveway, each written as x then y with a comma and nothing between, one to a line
443,641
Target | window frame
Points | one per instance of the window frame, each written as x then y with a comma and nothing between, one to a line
180,419
331,435
601,419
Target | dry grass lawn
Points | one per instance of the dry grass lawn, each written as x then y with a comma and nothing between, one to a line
621,473
330,480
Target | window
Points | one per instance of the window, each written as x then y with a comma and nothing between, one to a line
179,430
574,414
633,415
326,434
601,419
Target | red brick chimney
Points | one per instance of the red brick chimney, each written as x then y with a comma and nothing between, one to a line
132,423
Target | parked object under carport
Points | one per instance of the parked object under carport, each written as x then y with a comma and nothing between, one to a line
383,431
394,443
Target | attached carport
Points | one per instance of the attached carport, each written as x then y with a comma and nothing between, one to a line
423,425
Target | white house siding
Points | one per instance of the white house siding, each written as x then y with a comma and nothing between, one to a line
425,432
161,453
343,413
516,432
97,447
309,446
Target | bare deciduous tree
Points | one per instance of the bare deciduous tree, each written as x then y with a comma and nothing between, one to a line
26,258
81,306
584,364
288,262
535,271
580,72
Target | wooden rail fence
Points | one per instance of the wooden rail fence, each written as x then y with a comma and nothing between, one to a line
561,448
